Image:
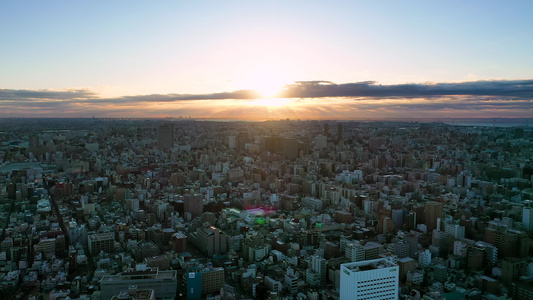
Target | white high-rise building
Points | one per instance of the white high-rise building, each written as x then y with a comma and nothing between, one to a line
370,279
232,139
527,215
424,258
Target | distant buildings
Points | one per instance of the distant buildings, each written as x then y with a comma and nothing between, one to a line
289,208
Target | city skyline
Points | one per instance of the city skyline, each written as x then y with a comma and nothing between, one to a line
261,61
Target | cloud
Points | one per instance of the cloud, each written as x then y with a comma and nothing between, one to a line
496,88
307,99
240,94
30,95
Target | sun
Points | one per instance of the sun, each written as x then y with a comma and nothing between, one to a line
266,80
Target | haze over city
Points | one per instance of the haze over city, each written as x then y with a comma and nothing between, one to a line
346,60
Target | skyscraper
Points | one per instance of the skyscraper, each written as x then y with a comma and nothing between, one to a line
527,215
339,133
369,279
165,136
34,144
433,211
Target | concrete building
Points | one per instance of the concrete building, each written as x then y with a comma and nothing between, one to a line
512,269
273,285
354,252
209,240
370,279
291,281
164,283
212,280
316,274
193,282
433,212
527,215
165,136
194,203
424,258
101,242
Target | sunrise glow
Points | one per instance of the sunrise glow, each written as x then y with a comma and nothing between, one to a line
255,60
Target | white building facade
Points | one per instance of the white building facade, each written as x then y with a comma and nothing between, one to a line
370,279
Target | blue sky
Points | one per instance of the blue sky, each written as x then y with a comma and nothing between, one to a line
127,48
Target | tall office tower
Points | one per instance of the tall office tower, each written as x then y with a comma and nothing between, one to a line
326,129
398,218
290,148
34,144
273,144
527,215
440,241
240,141
232,141
339,132
370,279
476,257
165,136
411,220
412,239
433,211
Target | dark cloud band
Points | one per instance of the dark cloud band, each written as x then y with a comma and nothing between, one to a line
331,99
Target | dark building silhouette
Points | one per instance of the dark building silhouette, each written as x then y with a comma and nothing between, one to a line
165,136
340,131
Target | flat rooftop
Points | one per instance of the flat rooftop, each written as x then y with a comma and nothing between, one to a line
369,265
135,275
101,236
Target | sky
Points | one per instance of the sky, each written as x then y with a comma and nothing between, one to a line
259,60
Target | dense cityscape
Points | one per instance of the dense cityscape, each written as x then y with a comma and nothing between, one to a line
288,209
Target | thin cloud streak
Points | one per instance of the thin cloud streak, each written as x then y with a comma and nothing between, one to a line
29,95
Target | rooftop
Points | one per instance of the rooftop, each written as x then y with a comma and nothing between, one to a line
369,265
134,275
